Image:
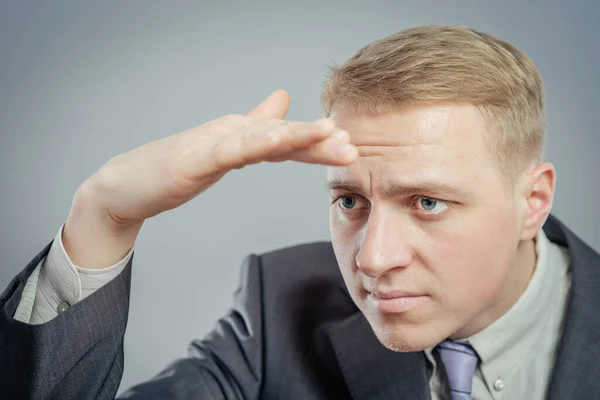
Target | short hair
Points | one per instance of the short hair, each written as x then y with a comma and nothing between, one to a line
450,64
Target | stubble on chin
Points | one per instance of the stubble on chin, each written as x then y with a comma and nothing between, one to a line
401,340
401,346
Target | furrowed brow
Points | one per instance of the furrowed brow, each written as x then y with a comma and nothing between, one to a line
396,190
425,188
337,184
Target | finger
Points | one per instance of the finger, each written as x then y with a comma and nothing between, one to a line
275,106
327,153
284,137
269,139
286,151
335,150
299,135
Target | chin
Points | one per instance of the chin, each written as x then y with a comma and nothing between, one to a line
405,338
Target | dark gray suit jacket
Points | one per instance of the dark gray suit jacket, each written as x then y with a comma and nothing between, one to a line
293,333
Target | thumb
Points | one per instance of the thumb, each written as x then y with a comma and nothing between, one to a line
275,106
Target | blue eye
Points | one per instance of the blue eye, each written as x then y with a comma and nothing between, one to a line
348,202
428,204
432,206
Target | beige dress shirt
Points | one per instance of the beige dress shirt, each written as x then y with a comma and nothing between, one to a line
57,284
516,351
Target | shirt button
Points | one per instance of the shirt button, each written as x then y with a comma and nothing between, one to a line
498,385
62,307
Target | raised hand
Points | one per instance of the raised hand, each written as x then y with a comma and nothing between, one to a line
111,206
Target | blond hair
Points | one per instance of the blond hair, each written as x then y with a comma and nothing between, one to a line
450,64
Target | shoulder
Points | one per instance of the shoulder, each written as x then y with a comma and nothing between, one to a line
301,289
315,260
299,275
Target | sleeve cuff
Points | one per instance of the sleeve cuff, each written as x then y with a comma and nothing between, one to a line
60,281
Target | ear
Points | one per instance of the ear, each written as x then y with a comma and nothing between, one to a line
538,191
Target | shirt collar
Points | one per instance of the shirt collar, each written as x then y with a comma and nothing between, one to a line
514,335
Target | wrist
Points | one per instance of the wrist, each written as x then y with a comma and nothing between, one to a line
92,238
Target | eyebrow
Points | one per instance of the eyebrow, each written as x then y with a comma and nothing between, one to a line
396,190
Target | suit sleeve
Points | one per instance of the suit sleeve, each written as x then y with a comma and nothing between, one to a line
76,355
79,353
58,282
225,364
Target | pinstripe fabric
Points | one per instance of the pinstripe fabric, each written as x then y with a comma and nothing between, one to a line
292,333
57,279
45,362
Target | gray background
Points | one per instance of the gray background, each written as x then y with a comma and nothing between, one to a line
83,81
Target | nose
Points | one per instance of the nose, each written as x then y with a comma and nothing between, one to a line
385,244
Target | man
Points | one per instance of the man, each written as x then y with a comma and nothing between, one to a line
446,276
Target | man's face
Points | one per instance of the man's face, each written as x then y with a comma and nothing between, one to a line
422,226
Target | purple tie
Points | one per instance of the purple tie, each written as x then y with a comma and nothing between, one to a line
460,361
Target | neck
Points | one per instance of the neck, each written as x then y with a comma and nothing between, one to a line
516,283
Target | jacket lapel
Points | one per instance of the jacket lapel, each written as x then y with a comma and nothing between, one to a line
375,373
370,370
576,373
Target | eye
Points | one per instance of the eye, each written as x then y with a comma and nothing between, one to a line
347,202
431,206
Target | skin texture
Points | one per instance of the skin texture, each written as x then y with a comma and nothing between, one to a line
469,257
425,210
110,207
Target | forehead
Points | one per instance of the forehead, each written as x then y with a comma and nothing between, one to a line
441,143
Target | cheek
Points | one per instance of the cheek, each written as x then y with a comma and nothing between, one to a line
345,246
472,262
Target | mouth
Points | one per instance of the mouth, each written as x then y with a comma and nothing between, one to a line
395,302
